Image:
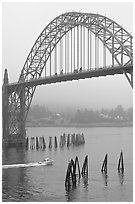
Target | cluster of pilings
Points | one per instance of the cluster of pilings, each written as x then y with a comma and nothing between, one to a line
73,175
65,139
72,139
120,164
35,142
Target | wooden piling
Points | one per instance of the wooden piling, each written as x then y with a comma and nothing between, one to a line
37,143
68,180
68,140
50,142
70,175
85,167
79,139
77,165
73,139
60,144
76,139
121,164
40,141
44,145
55,142
73,170
34,142
64,139
32,145
27,142
61,141
104,165
82,139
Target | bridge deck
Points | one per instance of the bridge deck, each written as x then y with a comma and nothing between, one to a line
74,76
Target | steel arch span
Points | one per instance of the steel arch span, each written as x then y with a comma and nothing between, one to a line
115,39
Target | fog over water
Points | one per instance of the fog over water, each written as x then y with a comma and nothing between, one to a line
22,24
88,93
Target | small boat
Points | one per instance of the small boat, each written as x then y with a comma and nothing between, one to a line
46,161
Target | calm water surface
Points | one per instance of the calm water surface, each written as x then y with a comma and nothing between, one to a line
46,183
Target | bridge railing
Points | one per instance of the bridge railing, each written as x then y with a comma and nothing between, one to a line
75,71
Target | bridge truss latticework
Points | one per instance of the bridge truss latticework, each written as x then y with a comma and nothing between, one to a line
65,42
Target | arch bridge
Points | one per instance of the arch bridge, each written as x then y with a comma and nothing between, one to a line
73,46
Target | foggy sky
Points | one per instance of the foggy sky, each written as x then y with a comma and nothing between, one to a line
21,25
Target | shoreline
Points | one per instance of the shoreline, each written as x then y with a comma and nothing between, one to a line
124,124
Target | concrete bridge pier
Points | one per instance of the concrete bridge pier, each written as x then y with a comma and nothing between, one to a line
22,116
5,122
9,139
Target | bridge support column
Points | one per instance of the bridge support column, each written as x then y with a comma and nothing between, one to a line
5,122
22,117
12,139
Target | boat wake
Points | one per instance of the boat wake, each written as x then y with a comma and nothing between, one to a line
36,164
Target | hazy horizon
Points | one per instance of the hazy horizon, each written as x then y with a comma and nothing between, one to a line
59,107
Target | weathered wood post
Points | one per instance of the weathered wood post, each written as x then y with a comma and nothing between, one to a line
121,164
50,142
79,139
73,139
67,179
44,145
76,139
27,143
70,175
32,142
64,139
82,138
104,166
55,142
37,143
68,140
73,170
77,165
41,141
60,141
85,167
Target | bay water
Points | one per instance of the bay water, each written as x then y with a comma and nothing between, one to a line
46,183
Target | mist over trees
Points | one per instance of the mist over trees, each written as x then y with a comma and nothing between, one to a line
104,115
42,115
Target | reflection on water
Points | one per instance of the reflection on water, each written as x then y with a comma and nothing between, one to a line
121,178
14,178
46,183
85,183
13,155
105,178
71,194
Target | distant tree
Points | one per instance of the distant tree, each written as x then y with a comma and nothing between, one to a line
129,114
82,116
119,111
38,112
